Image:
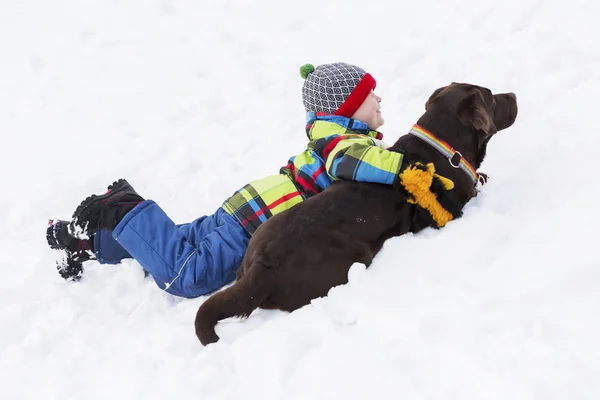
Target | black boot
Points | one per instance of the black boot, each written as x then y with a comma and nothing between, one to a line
104,211
69,268
59,238
74,251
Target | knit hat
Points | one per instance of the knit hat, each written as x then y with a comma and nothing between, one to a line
337,88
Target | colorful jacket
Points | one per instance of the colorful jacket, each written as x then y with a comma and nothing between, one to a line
338,148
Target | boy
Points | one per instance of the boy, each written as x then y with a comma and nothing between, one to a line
193,259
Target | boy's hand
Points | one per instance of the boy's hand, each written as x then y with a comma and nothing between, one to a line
435,181
431,192
428,178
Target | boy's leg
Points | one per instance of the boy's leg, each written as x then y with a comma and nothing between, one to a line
188,260
107,249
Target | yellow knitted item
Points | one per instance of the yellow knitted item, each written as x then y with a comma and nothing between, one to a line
417,182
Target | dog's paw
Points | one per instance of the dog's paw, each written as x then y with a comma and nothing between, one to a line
483,178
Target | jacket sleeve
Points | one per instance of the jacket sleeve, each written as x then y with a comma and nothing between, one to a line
357,158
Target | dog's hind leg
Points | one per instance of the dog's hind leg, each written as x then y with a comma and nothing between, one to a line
238,300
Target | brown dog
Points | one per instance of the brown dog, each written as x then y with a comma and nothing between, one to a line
299,255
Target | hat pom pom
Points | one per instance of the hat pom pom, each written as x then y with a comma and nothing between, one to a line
306,69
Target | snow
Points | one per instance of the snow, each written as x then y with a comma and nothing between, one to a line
190,100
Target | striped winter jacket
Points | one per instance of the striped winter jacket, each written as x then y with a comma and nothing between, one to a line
339,148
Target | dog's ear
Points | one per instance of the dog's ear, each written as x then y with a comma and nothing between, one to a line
474,111
434,96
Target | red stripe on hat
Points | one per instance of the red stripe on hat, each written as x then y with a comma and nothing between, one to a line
357,96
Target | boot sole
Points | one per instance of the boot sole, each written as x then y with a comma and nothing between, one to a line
69,269
51,235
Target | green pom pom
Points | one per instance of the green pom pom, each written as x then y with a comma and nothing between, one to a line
306,69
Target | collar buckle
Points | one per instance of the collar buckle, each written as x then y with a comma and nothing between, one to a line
451,157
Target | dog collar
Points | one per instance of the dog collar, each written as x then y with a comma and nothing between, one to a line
454,157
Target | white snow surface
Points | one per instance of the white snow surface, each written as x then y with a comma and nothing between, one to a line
190,100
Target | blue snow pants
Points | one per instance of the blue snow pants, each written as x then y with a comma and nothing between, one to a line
187,260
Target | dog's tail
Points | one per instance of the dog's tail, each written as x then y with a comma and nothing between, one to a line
238,300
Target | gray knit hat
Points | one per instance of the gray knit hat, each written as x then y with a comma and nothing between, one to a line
337,88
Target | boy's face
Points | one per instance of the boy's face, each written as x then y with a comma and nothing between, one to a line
369,112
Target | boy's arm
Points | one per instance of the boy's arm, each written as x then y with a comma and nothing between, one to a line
357,158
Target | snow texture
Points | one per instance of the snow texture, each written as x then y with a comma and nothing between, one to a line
190,100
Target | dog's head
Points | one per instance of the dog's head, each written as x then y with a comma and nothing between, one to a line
476,108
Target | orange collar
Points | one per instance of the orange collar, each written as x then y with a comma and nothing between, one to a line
446,150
